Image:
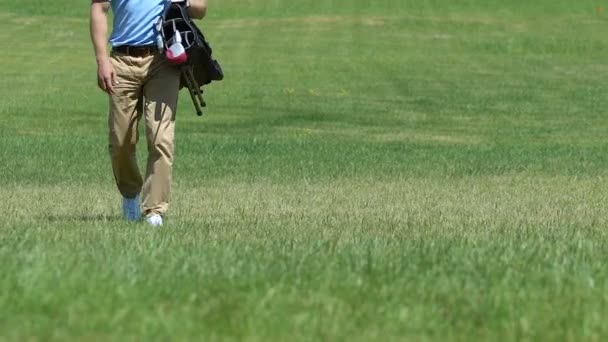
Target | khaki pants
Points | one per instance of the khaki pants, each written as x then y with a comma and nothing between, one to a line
148,87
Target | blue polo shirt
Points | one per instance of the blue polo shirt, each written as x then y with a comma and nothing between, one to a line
134,21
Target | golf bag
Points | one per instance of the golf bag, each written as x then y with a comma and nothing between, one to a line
184,45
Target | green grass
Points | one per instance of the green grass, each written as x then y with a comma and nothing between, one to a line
368,170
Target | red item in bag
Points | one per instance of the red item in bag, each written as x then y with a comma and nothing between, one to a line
176,54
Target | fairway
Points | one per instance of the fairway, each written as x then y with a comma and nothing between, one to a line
386,170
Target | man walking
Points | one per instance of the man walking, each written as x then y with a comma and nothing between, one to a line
140,83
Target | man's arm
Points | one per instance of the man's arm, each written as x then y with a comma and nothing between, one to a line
106,76
197,9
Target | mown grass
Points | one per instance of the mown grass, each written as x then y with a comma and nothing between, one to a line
388,170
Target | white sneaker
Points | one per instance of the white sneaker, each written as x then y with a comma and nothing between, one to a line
155,220
130,208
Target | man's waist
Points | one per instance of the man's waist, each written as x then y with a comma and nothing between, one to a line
136,50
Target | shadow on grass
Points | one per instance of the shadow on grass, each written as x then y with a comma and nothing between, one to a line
82,218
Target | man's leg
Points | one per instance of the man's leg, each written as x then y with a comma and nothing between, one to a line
125,110
160,104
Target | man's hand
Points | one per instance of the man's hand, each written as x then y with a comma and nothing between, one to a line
106,75
197,9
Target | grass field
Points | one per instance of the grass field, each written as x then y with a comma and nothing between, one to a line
368,170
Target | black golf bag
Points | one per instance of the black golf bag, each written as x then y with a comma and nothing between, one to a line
185,45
